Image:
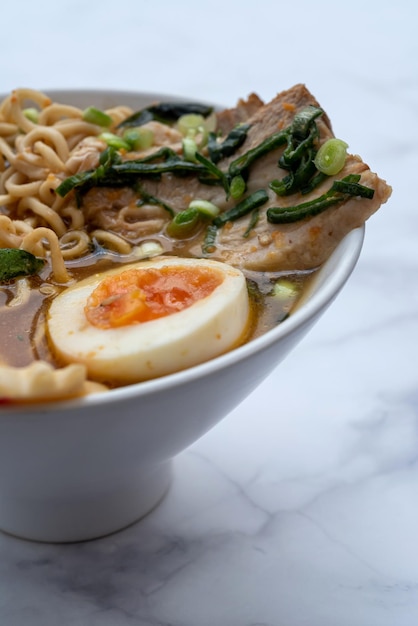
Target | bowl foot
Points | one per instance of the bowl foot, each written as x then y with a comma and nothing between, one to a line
62,518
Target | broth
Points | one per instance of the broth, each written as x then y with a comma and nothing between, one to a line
22,326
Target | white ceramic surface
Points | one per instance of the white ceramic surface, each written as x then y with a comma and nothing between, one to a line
82,469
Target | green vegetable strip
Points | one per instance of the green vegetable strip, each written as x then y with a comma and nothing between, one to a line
302,128
109,156
165,112
229,145
126,173
147,169
294,152
350,185
239,166
163,153
253,222
256,199
299,154
340,191
286,215
215,171
147,198
78,180
296,179
302,121
309,186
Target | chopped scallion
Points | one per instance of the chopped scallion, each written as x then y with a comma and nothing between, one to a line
32,114
115,141
285,289
209,244
331,156
255,200
148,249
96,116
189,149
190,124
184,223
237,187
205,207
139,138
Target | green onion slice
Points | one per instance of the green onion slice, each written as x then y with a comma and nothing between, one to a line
237,187
285,289
205,207
115,141
184,223
96,116
139,138
31,114
331,156
189,149
190,124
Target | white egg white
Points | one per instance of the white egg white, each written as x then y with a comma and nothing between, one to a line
136,352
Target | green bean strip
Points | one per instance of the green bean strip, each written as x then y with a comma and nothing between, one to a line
214,170
340,191
316,180
126,173
303,119
147,198
256,199
300,134
293,153
349,185
229,145
165,112
253,222
295,180
286,215
163,153
82,179
243,162
147,169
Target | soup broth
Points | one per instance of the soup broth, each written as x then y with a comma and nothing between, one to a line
25,302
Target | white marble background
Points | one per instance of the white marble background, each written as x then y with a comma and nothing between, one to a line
301,507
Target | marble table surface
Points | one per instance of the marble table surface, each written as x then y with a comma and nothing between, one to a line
301,507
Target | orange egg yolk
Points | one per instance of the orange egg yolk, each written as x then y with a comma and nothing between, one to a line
142,295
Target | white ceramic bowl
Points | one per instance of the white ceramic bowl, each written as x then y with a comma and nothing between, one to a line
81,469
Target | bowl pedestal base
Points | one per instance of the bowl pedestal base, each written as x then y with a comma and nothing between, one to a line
62,519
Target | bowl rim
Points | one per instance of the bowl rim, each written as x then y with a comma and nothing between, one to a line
338,267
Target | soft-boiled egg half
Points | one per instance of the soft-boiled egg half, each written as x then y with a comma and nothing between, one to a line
150,318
